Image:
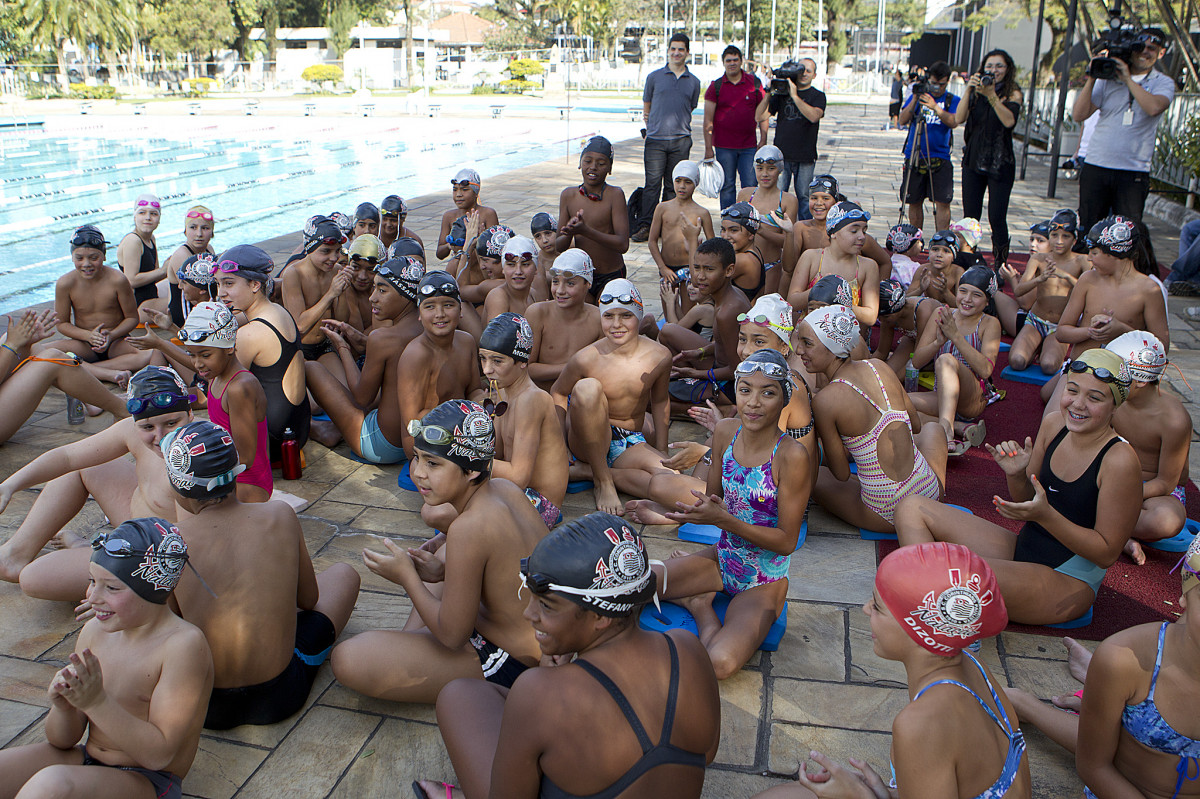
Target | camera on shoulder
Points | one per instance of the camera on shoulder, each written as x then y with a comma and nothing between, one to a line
1117,42
788,70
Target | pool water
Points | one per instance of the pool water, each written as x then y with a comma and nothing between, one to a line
263,177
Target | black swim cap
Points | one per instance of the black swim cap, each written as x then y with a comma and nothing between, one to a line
403,274
202,462
1114,235
508,334
394,205
457,237
982,278
541,223
319,230
832,290
147,554
437,284
1040,229
598,562
155,390
598,144
366,211
88,236
491,241
891,296
1065,219
406,245
344,223
459,431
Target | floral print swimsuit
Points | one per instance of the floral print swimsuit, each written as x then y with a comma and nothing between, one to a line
752,496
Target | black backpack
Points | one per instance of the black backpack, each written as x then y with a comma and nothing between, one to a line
634,209
721,81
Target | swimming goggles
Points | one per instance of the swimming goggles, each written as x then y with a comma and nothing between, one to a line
371,260
733,212
88,236
540,583
205,215
1102,374
946,240
1067,226
767,161
120,548
772,370
513,257
429,291
763,320
196,336
462,184
150,203
623,299
430,434
495,409
567,273
825,182
163,399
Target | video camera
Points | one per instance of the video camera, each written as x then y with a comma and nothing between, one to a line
788,70
1118,42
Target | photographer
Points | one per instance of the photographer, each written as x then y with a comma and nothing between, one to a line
1131,96
993,103
799,120
932,174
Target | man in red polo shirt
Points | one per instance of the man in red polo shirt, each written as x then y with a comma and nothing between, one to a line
735,123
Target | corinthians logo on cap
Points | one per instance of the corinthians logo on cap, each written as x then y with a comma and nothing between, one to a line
956,611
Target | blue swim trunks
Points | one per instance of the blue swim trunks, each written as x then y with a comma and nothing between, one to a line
374,444
622,440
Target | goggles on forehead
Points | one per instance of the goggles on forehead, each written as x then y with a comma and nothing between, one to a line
771,370
1102,374
825,184
624,299
567,273
430,434
160,400
196,336
767,161
120,548
761,319
462,184
430,290
513,257
149,203
205,215
946,240
88,238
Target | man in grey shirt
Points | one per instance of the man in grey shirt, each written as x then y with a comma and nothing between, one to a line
1115,178
670,96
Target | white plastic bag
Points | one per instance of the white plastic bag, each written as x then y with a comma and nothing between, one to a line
712,178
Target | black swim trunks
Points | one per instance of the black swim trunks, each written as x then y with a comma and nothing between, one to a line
313,352
498,666
283,696
166,785
599,281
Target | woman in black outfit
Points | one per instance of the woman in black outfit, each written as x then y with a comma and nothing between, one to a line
990,112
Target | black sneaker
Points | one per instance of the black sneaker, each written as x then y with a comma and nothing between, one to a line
1183,288
642,234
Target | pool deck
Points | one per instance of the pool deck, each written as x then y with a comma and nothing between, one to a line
824,688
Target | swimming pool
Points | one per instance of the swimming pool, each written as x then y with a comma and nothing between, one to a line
262,176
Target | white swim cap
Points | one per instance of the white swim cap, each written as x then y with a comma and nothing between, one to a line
686,169
1143,352
836,327
621,293
574,263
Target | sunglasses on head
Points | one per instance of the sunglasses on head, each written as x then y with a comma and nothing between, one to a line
150,203
196,336
761,319
160,400
624,299
768,161
513,257
205,215
1102,374
771,370
430,434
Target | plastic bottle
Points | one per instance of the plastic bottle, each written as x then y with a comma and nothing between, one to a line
289,455
911,376
75,411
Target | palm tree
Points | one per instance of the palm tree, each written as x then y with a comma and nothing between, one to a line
108,24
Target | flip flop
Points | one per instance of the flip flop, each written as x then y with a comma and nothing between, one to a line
421,793
975,433
956,447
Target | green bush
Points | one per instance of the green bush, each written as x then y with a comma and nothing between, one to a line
81,91
319,73
484,89
198,87
523,67
516,86
42,91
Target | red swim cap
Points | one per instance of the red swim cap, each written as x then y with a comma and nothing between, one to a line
944,595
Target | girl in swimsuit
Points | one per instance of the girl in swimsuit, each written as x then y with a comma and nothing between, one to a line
198,233
604,685
778,210
1078,488
137,255
739,226
810,234
864,413
908,315
846,224
962,345
958,735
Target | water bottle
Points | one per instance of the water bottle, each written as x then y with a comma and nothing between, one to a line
289,455
75,411
911,376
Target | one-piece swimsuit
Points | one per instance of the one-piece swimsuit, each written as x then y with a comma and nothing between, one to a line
282,413
259,472
855,290
753,497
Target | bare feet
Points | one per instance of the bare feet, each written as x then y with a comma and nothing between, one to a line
92,410
698,603
579,471
11,565
1066,702
1133,549
436,790
643,511
1079,657
326,433
607,500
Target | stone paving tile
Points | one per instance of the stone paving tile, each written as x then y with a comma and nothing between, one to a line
399,752
813,647
832,568
325,742
791,743
15,717
741,707
222,767
831,705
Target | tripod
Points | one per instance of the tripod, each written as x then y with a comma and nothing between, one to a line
918,134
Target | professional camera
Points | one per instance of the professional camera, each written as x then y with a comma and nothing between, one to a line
1117,43
788,70
921,87
987,79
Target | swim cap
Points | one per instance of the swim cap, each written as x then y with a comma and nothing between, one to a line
147,199
982,278
406,245
1065,219
836,327
769,152
1143,353
826,184
1190,566
541,223
146,554
320,230
891,296
155,390
459,431
202,462
345,224
686,169
211,324
832,290
508,334
903,236
1114,235
198,270
366,211
367,247
1099,358
771,311
598,144
947,239
944,595
520,246
1040,229
842,214
404,274
744,214
88,236
394,205
249,262
599,562
621,293
491,241
969,229
468,176
772,364
457,236
437,284
573,263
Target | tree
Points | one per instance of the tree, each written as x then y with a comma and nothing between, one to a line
172,27
246,15
108,24
14,38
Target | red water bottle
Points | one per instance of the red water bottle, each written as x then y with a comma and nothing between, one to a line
289,455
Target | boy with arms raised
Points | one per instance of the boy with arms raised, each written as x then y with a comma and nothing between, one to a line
518,260
470,625
594,217
137,682
566,323
442,362
604,392
669,246
315,288
465,193
367,410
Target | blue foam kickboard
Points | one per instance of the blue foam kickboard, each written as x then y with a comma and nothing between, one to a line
1030,374
676,617
1178,542
871,535
1005,346
321,417
575,486
404,480
1082,621
709,533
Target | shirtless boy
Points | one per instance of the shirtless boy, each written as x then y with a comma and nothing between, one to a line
593,215
470,624
518,263
406,247
137,254
603,395
776,208
1049,277
137,682
265,652
96,310
314,289
393,212
367,410
1159,428
667,243
465,193
566,323
366,220
441,363
810,234
366,253
544,229
95,467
